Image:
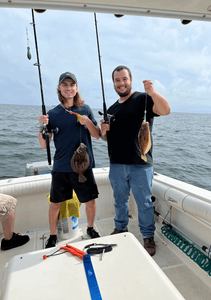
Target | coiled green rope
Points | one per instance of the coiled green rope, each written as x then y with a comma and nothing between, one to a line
195,254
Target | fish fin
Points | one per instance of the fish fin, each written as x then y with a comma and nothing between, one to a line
144,157
81,178
148,145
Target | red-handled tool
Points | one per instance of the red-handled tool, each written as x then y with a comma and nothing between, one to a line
78,115
68,248
74,251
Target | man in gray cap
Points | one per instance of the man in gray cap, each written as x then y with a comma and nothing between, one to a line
70,134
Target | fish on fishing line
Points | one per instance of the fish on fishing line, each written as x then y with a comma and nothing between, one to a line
144,139
80,162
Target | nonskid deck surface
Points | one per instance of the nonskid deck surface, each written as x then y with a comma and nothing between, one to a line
173,263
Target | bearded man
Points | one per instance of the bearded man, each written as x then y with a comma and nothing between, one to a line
127,169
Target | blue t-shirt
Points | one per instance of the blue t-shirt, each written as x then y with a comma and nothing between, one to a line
70,134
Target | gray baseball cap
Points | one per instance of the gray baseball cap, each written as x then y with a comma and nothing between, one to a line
67,75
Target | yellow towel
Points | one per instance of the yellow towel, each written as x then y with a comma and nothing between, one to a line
69,207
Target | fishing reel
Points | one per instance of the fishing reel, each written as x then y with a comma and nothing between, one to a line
43,129
110,118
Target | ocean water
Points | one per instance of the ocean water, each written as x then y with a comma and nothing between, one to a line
181,144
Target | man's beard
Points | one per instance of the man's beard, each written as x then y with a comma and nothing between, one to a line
125,94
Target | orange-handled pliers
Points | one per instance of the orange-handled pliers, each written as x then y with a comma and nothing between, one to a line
74,251
78,115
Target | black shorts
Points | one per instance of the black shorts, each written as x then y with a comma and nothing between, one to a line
63,184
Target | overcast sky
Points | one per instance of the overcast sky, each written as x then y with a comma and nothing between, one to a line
176,57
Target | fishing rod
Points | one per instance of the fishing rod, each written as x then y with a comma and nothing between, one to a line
107,117
44,129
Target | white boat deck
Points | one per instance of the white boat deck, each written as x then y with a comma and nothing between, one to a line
191,214
189,279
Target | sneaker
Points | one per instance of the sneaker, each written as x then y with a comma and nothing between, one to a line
92,233
116,231
51,242
16,241
149,245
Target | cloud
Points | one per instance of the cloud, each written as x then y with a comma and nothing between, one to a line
175,57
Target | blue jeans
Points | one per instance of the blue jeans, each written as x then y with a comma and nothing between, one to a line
139,179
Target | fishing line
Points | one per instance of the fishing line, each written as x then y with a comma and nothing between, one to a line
28,48
44,135
78,118
145,111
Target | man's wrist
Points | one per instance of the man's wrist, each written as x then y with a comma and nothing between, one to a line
103,137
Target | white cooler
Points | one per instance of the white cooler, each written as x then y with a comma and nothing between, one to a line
127,272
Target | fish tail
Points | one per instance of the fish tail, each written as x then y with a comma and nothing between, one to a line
81,178
143,156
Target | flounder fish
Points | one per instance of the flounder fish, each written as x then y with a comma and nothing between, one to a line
144,139
80,162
